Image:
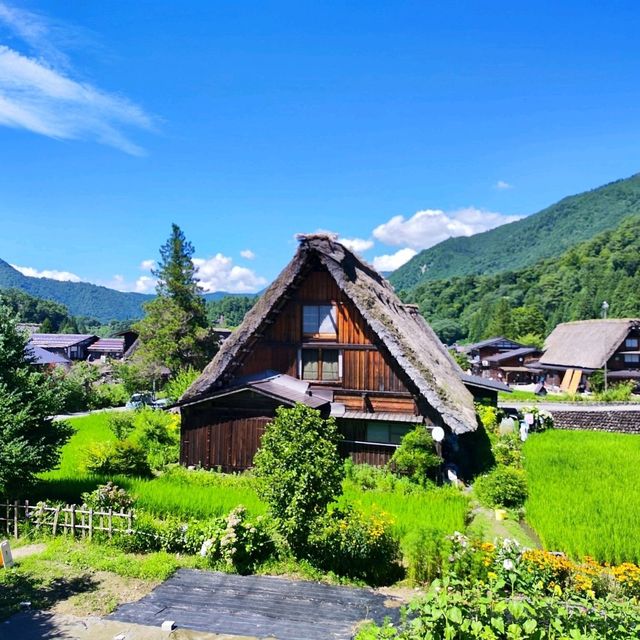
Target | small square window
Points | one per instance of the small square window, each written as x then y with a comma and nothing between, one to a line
631,343
319,320
632,358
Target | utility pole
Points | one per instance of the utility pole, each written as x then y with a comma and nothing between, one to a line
605,307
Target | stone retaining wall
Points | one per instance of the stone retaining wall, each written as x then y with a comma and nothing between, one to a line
615,421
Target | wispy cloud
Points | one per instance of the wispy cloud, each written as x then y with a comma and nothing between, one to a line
52,274
247,254
501,185
147,265
39,93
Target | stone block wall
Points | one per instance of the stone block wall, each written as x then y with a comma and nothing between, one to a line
616,421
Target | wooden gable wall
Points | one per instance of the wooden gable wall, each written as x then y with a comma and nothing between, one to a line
365,367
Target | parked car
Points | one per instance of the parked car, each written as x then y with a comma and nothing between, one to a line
139,400
161,403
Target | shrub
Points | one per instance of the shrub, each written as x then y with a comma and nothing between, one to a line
242,544
488,417
107,395
507,451
180,382
416,456
542,420
299,470
108,496
118,457
502,487
121,423
348,542
620,392
158,432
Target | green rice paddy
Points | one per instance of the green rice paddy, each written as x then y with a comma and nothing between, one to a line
585,493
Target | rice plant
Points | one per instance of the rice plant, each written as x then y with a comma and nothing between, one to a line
584,494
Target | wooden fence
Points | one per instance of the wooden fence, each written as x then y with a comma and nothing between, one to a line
66,519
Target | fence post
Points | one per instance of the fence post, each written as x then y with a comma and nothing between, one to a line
73,520
15,519
90,524
130,522
110,522
8,520
56,515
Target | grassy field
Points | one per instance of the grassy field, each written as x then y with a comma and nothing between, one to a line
584,493
202,494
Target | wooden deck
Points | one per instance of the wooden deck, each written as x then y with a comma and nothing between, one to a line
257,606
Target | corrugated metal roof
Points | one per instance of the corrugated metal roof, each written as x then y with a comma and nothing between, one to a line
108,344
60,340
488,342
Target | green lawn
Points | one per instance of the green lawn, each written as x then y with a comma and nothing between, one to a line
584,493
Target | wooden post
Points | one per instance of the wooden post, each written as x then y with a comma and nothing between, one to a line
56,515
110,522
8,520
130,522
73,519
15,518
90,524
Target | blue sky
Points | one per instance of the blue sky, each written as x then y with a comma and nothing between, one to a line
394,124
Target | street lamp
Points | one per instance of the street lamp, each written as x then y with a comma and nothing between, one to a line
605,307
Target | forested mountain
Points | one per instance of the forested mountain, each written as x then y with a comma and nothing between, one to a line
85,299
536,298
547,233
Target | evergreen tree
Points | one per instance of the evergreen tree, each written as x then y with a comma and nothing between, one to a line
30,439
176,276
174,331
501,323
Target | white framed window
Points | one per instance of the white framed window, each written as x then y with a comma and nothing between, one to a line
319,320
632,358
631,343
320,365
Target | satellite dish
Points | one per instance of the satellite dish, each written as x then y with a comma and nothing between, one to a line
437,433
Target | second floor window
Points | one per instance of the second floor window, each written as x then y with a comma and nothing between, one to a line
631,343
320,364
319,321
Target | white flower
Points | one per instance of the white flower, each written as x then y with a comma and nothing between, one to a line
206,545
508,565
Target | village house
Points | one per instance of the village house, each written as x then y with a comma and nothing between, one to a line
104,348
72,346
478,352
574,350
330,333
512,367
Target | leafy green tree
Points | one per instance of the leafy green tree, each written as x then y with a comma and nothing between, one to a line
528,320
174,331
30,439
531,340
299,470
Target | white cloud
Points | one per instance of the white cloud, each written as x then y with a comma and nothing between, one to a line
247,254
218,273
501,185
391,262
53,274
37,93
357,244
147,265
145,284
431,226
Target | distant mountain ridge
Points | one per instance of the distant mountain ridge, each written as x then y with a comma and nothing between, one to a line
84,298
545,234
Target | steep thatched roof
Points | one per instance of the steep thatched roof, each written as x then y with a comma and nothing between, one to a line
586,344
402,331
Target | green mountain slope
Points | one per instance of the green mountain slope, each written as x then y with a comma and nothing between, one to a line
81,298
547,233
85,299
536,298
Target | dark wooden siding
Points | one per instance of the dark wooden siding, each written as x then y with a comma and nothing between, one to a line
371,453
